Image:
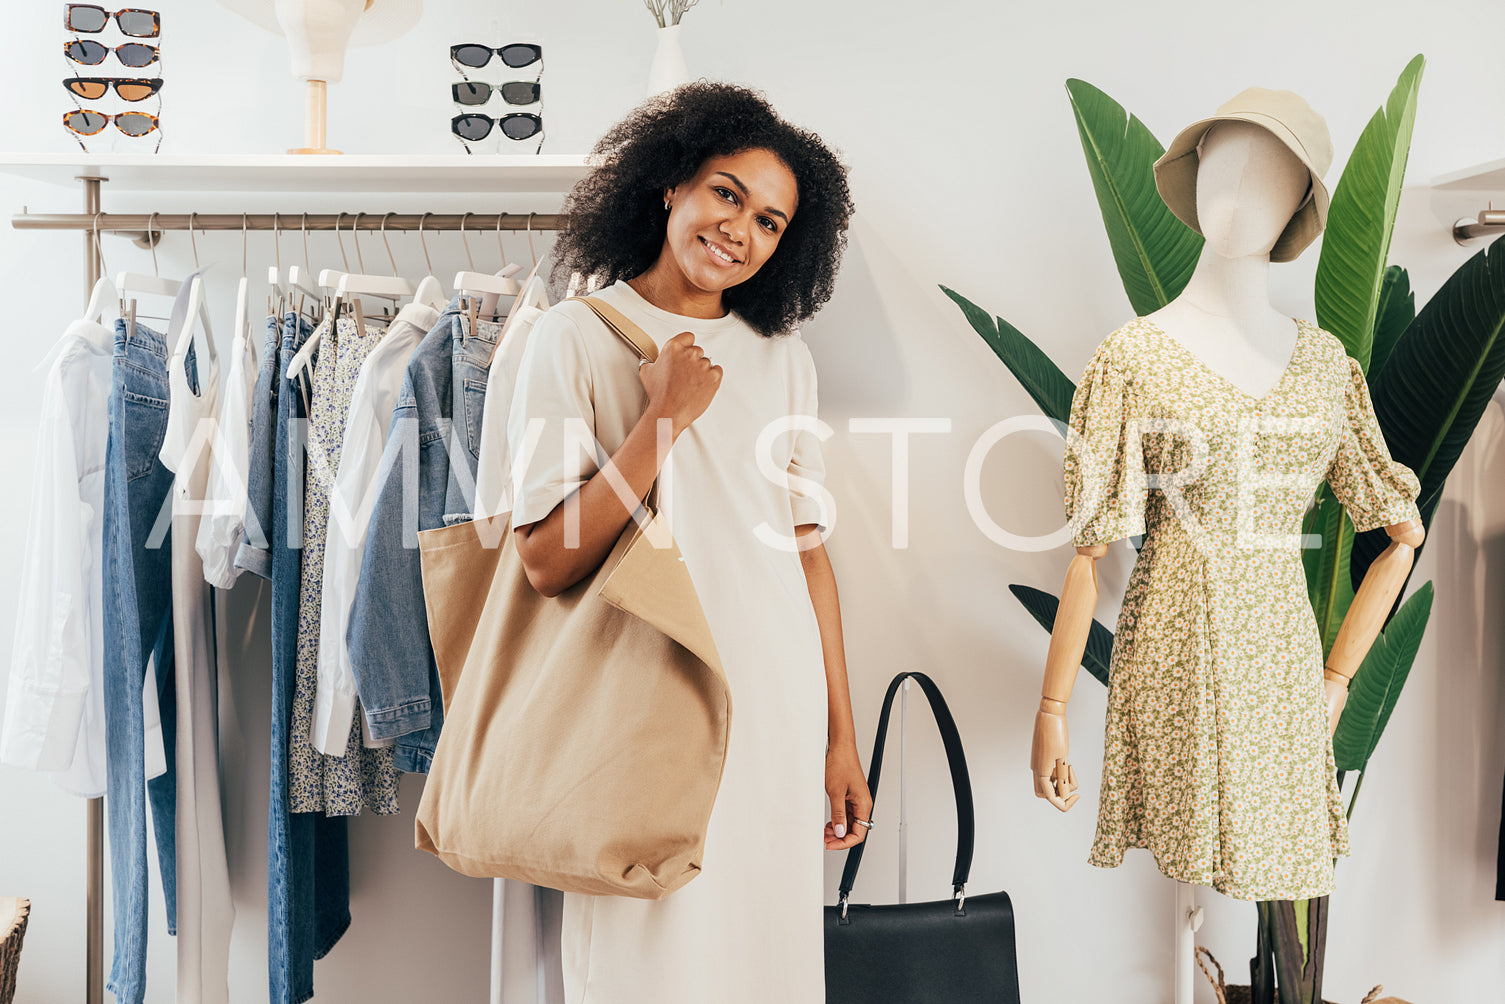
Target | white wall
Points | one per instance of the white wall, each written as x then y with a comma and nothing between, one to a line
967,170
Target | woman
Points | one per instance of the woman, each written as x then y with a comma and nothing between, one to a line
718,227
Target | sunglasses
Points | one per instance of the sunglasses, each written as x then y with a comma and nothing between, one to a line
129,89
474,55
91,53
474,126
86,122
87,18
514,92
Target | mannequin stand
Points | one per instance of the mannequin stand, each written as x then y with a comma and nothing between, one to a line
1188,921
315,118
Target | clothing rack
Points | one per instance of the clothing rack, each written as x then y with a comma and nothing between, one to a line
287,223
148,228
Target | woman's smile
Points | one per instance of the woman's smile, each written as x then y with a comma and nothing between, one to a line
719,254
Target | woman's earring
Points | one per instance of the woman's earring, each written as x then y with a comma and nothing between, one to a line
666,205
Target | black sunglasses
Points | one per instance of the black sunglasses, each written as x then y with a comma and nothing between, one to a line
91,53
514,92
475,55
87,18
128,88
473,127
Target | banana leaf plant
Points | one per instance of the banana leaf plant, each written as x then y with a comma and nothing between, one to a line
1431,374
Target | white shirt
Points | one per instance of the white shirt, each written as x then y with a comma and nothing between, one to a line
54,704
494,467
221,529
372,401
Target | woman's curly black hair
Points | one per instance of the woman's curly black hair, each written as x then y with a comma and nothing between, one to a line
615,221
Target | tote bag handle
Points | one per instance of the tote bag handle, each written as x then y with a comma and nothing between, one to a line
961,783
625,329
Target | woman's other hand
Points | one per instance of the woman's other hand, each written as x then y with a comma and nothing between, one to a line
846,786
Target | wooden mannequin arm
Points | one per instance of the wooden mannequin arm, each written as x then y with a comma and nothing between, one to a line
1055,780
1366,614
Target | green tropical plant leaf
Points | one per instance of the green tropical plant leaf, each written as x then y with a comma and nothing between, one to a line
1437,382
1356,245
1377,685
1397,310
1042,607
1154,250
1042,379
1327,579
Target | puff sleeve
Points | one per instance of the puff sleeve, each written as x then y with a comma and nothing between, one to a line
1375,489
1104,462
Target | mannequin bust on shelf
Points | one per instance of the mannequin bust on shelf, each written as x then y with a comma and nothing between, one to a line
1248,187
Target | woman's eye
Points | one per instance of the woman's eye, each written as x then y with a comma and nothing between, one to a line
725,193
767,224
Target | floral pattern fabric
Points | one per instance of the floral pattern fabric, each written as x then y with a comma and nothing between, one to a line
1217,756
362,778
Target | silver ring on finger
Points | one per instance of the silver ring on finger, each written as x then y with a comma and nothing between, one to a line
864,822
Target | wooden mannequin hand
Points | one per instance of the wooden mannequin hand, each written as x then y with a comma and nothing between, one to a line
1336,692
1055,780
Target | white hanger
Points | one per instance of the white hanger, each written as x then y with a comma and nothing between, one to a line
89,327
275,293
243,296
532,301
388,287
129,283
472,282
102,293
429,291
297,280
179,340
329,278
304,356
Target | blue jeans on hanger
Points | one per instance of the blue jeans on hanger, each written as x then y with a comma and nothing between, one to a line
438,421
308,860
137,622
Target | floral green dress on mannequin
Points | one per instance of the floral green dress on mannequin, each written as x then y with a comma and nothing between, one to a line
1217,756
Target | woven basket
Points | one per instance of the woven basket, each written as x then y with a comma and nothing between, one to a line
13,916
1245,995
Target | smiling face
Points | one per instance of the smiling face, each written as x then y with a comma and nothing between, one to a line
727,220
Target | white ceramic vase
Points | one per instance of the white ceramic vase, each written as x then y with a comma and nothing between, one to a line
668,70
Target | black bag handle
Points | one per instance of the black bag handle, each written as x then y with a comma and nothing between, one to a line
961,783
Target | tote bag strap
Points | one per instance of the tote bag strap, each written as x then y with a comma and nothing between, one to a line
625,329
961,783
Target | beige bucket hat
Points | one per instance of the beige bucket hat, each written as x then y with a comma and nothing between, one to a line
1291,120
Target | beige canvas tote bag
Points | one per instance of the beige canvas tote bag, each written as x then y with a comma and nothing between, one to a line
585,734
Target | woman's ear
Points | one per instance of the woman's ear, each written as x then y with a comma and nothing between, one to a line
668,196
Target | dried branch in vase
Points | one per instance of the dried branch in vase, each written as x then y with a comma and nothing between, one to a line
668,12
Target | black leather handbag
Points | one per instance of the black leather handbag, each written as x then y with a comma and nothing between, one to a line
957,949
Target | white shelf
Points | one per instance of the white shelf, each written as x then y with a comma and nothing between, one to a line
1488,177
547,174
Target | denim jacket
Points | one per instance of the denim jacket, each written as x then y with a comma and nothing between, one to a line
426,480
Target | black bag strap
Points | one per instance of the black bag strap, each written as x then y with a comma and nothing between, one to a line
961,782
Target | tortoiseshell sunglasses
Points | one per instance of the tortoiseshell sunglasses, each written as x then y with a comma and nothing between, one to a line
133,21
129,88
91,53
87,122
